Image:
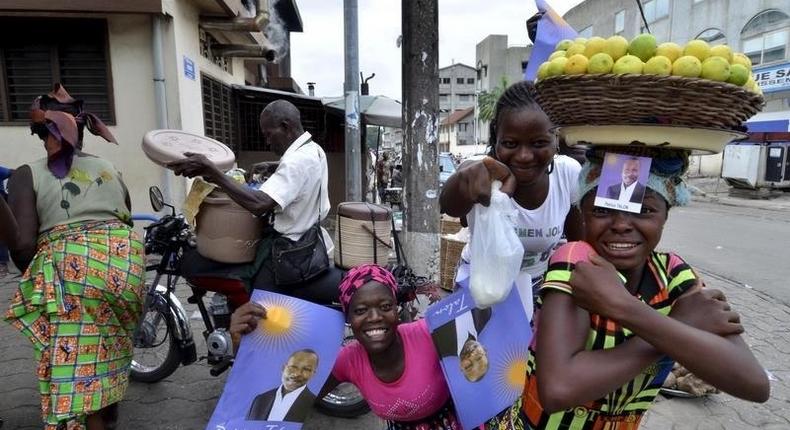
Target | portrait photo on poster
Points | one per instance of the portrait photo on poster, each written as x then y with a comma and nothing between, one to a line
475,355
459,338
280,366
623,182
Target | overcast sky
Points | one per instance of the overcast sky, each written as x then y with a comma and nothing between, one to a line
317,54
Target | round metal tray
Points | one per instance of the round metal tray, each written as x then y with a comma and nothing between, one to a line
697,139
165,146
671,392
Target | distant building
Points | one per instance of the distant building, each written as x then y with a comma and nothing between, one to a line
760,29
457,85
456,134
496,61
392,139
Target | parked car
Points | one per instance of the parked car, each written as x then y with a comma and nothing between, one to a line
475,157
446,167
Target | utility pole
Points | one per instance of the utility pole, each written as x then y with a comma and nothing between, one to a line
420,26
351,88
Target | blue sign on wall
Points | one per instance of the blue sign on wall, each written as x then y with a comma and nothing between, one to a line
773,78
189,68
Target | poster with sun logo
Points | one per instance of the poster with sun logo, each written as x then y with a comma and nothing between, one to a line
483,352
280,367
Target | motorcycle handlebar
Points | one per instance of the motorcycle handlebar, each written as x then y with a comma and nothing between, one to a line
145,217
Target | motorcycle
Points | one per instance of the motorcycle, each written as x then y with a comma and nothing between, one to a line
163,340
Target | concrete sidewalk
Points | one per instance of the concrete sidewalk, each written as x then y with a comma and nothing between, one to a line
716,190
187,398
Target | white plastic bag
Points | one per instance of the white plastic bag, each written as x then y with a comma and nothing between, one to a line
496,252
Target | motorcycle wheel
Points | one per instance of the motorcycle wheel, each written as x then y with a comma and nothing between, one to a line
156,353
345,401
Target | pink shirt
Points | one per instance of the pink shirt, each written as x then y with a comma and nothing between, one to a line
419,392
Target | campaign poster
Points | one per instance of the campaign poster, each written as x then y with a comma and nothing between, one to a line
483,352
280,367
623,182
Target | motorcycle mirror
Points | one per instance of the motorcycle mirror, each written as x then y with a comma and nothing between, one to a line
157,200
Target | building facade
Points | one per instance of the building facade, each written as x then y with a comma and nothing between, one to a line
142,65
497,64
456,133
457,85
760,29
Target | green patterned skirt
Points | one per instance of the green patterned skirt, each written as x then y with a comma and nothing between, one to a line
79,303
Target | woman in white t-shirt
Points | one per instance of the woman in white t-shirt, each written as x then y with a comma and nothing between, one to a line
541,183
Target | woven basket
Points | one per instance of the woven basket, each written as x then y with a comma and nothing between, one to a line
358,243
450,225
449,256
631,99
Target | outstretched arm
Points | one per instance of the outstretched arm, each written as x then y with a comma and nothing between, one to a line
255,201
471,184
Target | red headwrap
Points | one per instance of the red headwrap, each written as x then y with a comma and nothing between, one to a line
361,275
63,117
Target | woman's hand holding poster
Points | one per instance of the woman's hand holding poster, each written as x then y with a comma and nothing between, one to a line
280,367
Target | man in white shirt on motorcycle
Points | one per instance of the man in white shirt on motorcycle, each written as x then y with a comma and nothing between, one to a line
296,193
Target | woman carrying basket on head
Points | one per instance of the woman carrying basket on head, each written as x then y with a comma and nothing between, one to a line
80,296
615,314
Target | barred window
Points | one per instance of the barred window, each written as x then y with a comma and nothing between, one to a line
35,53
250,103
218,118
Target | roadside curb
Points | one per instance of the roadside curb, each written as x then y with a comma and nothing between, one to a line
777,205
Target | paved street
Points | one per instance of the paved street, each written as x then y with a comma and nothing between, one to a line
747,246
741,250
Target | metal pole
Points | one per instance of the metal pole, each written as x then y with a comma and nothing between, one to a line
160,95
351,87
420,21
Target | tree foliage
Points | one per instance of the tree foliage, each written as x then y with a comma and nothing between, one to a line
486,102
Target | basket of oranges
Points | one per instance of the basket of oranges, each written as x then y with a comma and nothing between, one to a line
613,81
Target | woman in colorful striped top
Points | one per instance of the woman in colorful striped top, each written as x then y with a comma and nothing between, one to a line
615,314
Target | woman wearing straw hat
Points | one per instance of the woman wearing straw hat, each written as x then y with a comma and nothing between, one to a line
80,296
615,314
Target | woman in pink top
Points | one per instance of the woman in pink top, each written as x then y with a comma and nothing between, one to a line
395,366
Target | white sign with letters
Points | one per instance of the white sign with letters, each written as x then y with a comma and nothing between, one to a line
773,78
